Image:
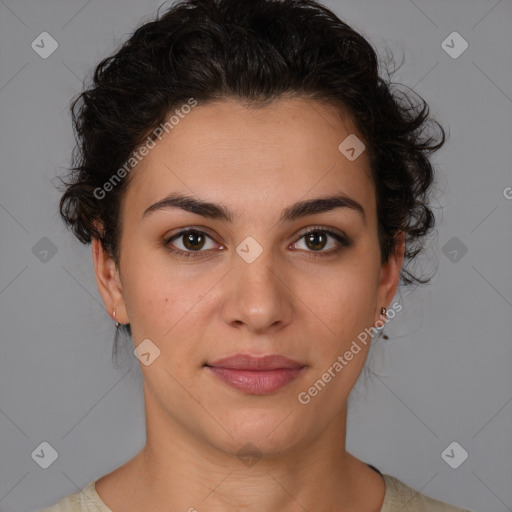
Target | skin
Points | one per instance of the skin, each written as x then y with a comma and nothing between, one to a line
256,162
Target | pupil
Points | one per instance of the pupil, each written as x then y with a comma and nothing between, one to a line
191,242
313,240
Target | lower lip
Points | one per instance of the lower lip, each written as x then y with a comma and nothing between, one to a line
256,382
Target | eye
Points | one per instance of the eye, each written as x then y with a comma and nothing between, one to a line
316,239
192,242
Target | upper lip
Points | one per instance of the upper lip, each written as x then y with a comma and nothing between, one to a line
248,362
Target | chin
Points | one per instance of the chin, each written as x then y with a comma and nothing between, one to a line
258,432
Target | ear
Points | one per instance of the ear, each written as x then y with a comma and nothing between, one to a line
109,282
390,276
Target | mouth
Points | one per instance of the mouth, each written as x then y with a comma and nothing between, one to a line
256,375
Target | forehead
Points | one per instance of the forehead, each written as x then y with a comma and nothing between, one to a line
230,153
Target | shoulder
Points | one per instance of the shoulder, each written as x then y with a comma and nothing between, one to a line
400,497
86,500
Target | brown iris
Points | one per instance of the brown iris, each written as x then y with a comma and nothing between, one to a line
316,240
193,240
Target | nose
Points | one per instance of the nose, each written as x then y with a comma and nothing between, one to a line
257,296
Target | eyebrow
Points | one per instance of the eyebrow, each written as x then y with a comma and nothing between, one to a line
221,212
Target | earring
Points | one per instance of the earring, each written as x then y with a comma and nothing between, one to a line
114,315
383,311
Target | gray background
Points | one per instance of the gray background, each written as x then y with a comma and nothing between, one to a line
443,376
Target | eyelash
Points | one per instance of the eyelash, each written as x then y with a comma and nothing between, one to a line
342,240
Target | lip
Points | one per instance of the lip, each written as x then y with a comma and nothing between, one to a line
248,362
256,375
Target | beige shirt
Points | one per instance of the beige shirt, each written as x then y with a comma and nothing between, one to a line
399,497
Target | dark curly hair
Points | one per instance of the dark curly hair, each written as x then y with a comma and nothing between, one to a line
254,51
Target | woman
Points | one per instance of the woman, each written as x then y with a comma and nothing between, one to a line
253,192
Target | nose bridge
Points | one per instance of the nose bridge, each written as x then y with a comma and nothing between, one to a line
257,296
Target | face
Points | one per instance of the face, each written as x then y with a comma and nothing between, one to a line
250,273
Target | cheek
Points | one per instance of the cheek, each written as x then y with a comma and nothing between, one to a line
347,308
164,304
346,302
148,296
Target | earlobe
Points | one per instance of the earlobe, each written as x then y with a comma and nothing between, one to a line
390,275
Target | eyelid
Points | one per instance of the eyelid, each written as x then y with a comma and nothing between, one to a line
327,229
341,237
175,233
343,241
304,231
182,232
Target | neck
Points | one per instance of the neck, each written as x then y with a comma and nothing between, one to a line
182,470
